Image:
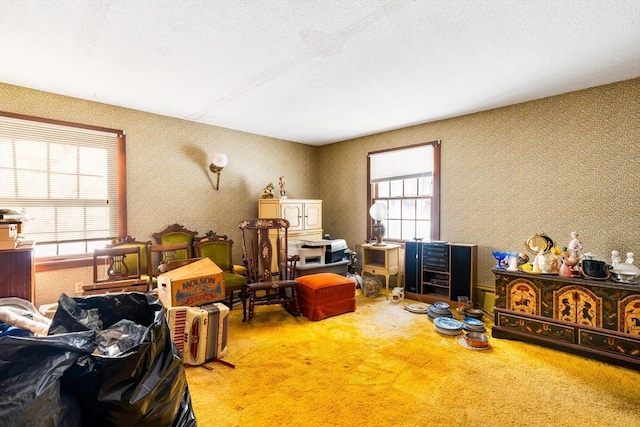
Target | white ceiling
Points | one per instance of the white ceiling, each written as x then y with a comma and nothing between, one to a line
317,71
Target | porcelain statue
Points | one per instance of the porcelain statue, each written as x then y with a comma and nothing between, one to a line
575,245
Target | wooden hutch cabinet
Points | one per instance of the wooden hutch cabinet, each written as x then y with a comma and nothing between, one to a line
304,216
17,272
597,319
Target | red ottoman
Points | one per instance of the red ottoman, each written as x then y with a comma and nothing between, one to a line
325,294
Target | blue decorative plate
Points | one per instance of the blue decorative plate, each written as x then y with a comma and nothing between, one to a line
447,323
440,306
473,322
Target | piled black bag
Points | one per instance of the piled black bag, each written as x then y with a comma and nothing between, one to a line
31,369
122,367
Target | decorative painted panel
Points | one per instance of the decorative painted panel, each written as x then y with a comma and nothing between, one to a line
629,315
523,297
577,304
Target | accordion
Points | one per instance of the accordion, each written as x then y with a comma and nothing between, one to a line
200,333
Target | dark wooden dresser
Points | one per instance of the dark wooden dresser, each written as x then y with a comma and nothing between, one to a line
597,319
17,272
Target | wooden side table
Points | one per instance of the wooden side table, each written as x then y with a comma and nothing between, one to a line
383,260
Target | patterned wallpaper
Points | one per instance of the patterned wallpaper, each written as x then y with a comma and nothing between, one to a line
552,165
167,172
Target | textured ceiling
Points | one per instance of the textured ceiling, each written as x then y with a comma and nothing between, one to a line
317,71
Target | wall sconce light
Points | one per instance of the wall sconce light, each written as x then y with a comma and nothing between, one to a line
378,212
218,162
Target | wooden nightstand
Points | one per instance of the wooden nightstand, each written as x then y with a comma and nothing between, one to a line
382,260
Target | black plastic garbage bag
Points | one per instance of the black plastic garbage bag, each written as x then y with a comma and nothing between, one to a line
30,378
144,385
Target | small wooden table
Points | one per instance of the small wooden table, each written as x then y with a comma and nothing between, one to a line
383,260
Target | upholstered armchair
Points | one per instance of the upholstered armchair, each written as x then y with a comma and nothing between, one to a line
176,233
219,249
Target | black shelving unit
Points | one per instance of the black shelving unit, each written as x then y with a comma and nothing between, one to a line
441,270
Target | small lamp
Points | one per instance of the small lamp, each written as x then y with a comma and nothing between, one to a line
218,162
378,212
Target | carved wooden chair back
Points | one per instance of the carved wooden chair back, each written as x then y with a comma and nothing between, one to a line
216,247
131,261
270,270
111,264
112,271
264,249
159,254
176,233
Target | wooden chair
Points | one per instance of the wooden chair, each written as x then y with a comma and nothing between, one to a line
259,255
111,271
176,233
219,249
158,255
131,261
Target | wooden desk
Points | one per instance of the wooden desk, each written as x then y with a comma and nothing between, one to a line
383,260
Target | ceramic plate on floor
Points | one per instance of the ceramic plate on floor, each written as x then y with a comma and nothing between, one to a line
440,306
417,308
463,343
437,313
470,321
450,332
447,323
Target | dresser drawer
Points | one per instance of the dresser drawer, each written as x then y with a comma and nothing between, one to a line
536,327
610,343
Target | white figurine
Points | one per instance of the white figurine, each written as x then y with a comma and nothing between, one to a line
575,245
283,191
615,258
629,258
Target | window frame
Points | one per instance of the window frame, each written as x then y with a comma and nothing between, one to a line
58,262
435,197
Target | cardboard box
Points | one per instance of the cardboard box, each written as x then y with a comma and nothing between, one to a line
8,243
8,230
195,284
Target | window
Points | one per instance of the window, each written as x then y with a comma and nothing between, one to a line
407,181
67,180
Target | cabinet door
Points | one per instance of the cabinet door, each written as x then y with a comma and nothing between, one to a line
312,216
294,214
268,209
462,278
412,266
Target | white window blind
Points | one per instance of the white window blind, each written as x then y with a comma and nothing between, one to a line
401,164
62,178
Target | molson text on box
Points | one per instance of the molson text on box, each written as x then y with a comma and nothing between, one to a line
198,283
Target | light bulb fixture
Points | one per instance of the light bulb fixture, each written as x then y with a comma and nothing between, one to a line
218,162
378,212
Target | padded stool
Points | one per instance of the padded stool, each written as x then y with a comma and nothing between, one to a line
323,295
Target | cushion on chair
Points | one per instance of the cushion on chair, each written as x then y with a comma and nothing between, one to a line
234,281
325,294
178,238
